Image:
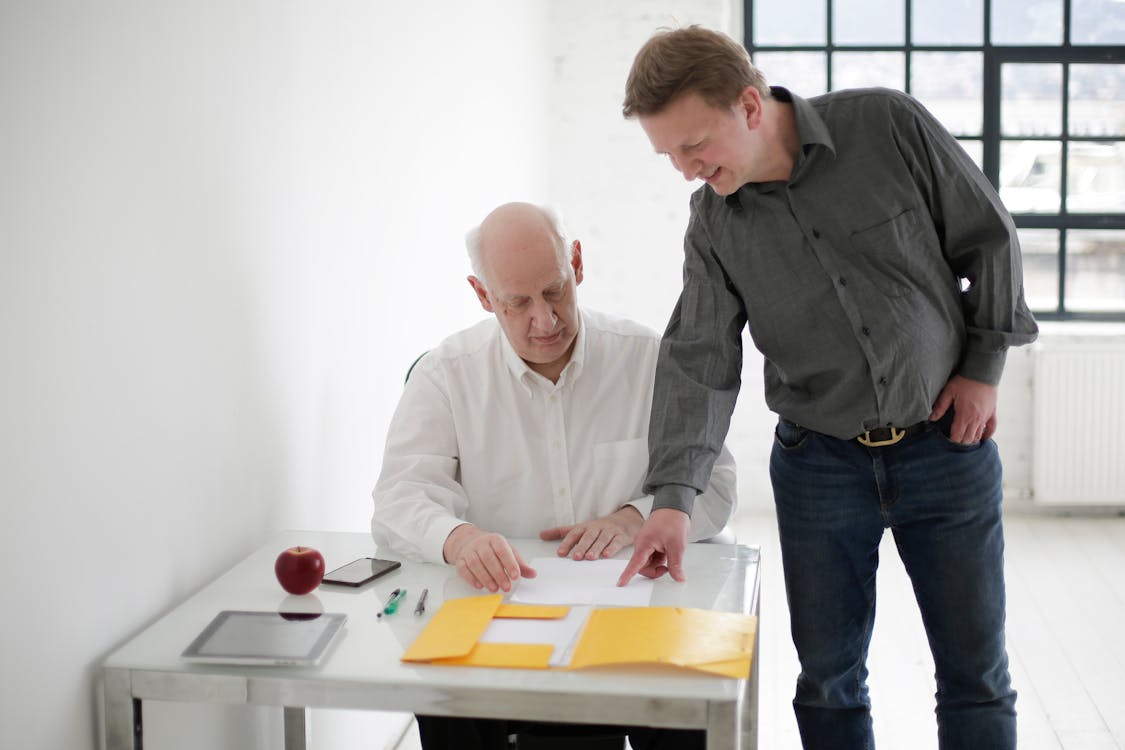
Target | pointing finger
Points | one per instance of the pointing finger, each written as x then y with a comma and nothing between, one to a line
636,562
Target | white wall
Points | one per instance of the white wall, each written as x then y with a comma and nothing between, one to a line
226,228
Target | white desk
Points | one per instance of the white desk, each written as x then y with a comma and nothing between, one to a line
363,671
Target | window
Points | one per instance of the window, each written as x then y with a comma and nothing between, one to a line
1034,90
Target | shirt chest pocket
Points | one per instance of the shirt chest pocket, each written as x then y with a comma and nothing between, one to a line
887,253
619,470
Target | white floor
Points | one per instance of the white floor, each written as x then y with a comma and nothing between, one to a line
1066,641
1066,607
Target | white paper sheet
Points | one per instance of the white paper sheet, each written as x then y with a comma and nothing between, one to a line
562,633
561,580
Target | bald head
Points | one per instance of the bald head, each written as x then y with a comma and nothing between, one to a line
527,275
511,231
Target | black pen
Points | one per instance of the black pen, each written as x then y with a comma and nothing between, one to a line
421,602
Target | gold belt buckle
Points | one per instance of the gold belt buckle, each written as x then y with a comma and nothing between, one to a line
896,435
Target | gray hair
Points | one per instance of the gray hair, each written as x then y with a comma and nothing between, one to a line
562,245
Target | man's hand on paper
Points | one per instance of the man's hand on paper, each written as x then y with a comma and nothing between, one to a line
485,559
602,537
659,546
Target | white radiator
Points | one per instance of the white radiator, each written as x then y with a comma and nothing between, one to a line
1078,425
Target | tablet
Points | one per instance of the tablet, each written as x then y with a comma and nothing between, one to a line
282,638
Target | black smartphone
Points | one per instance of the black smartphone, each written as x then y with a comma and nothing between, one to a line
359,572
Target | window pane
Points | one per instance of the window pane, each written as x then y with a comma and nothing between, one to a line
1097,22
1097,99
852,70
1027,21
947,22
791,22
975,150
868,22
950,85
1095,177
803,73
1095,270
1031,99
1031,176
1040,248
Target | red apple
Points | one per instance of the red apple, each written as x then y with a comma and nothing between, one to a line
299,569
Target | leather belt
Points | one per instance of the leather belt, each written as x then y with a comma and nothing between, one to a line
882,436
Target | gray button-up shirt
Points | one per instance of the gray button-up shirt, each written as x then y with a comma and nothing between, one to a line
882,267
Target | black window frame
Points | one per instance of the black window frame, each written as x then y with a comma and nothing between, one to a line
994,57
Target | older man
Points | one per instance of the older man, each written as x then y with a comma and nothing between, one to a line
531,423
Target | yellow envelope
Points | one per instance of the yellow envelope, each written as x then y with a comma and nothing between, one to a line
532,611
702,640
451,636
720,643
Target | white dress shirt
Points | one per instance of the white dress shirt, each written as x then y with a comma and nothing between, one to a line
479,436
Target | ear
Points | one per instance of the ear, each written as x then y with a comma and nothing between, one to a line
482,293
750,102
576,261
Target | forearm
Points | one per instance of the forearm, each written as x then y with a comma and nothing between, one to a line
698,376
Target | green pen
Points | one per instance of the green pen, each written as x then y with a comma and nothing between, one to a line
392,604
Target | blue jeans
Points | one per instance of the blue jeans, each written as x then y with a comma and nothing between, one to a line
941,501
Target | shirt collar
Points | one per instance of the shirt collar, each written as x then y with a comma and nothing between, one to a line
811,132
525,376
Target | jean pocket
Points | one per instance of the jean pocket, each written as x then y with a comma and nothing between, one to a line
943,431
790,436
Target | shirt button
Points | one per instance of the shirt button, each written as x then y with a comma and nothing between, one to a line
562,491
865,331
882,381
816,233
843,281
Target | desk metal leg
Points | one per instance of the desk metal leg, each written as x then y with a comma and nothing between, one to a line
296,728
122,728
750,707
724,727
